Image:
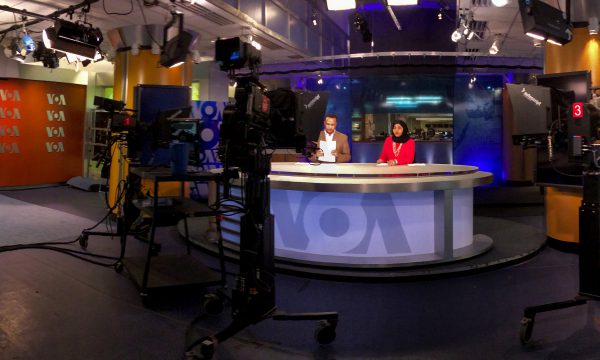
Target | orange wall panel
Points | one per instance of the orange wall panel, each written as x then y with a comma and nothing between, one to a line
582,53
41,131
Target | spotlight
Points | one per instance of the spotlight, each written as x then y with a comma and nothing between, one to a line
456,35
14,51
499,3
73,38
471,35
593,25
46,56
473,79
495,47
28,45
361,25
315,21
440,14
175,51
320,80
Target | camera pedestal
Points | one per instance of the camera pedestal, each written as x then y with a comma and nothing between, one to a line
589,256
253,299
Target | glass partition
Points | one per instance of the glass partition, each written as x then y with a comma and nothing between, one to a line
424,102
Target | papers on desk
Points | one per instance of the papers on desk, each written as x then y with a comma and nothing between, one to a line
301,163
327,147
417,164
383,164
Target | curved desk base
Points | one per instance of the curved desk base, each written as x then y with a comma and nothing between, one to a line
504,252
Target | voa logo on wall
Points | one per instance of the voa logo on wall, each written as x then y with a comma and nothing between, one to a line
10,113
9,148
56,115
9,130
10,95
53,132
56,99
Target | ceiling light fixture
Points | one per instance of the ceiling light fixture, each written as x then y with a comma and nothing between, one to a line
499,3
456,35
464,29
335,5
593,25
74,38
402,2
361,25
495,48
544,22
27,44
46,56
176,50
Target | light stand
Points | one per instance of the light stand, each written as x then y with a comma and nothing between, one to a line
589,248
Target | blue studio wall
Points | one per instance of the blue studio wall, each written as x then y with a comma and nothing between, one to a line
478,123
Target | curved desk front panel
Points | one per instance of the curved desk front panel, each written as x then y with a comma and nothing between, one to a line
367,215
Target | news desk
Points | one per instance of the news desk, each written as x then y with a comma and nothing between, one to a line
367,215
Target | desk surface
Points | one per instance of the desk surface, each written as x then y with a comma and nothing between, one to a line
368,177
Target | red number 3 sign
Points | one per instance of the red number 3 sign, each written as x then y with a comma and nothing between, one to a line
577,110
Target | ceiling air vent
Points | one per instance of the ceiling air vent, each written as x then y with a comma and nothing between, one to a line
479,28
266,43
481,3
207,14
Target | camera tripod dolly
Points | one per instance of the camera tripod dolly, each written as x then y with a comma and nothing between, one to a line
589,248
253,299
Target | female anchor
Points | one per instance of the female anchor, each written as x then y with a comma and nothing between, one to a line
399,148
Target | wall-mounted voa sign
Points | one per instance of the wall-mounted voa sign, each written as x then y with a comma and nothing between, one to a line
41,132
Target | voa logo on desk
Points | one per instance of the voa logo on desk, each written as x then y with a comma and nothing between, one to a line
342,223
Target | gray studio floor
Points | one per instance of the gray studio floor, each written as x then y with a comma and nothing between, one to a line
55,306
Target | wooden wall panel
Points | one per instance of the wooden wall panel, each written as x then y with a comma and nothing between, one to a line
582,53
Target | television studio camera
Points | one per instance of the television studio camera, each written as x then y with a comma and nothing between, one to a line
119,121
579,123
256,124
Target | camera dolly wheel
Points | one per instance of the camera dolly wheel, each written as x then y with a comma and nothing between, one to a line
207,350
325,332
213,304
526,329
83,241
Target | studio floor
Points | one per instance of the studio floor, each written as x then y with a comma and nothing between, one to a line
56,306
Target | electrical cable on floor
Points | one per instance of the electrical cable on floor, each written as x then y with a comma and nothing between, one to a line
71,252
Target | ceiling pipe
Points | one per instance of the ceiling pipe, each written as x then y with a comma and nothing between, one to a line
51,17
